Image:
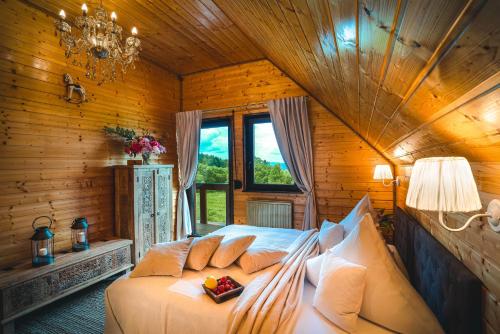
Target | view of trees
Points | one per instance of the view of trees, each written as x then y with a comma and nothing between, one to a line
212,169
267,173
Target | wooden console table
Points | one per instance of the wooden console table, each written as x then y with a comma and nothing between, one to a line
24,288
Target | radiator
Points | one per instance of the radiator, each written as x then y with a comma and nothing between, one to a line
269,214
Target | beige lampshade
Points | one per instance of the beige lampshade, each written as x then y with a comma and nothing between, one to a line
382,172
443,184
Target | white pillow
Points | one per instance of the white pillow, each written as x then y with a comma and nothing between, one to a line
353,218
397,259
229,250
201,251
389,300
339,294
313,269
330,234
255,259
166,259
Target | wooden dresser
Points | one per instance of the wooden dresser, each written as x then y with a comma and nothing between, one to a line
24,288
143,206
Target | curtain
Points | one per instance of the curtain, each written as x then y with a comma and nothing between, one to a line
291,127
188,125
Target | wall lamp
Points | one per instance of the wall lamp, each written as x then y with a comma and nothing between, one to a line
446,184
384,172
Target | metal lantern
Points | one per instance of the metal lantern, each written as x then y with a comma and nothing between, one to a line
42,244
79,234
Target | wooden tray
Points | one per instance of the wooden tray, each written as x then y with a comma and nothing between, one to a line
226,295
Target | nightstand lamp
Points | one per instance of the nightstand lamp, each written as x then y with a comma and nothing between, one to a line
384,172
446,184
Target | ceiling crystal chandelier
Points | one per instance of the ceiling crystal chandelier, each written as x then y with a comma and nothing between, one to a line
98,40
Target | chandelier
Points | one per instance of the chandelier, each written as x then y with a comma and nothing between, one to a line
99,41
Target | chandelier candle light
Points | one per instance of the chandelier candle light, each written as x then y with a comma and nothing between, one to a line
100,40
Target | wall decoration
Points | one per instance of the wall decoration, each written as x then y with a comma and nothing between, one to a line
146,145
71,88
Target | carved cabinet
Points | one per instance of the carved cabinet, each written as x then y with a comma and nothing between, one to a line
143,206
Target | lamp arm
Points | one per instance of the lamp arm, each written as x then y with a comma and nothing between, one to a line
467,223
385,184
395,181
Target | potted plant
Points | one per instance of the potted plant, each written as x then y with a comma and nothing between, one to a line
145,145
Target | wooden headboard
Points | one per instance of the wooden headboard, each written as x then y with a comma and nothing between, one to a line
451,291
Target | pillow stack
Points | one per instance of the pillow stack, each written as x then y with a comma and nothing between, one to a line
359,276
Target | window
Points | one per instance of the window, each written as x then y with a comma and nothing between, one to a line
265,169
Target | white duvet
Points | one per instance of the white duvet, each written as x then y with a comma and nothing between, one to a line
157,305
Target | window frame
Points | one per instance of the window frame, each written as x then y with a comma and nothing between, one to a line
249,184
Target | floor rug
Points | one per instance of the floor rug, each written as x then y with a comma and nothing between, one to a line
79,313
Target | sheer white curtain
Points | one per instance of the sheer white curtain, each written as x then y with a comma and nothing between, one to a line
291,126
188,127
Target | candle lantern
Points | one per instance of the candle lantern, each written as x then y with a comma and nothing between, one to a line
79,234
42,244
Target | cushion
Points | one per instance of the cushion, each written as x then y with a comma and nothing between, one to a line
229,250
353,218
397,259
389,299
339,294
255,259
330,234
313,269
166,259
202,250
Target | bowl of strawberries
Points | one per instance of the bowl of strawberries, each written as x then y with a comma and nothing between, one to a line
222,289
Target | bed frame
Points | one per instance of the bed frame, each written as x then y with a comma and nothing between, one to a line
451,291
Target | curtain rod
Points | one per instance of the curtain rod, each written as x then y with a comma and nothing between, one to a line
242,106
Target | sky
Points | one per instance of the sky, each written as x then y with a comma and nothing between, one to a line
214,141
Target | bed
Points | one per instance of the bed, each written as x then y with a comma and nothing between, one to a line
171,305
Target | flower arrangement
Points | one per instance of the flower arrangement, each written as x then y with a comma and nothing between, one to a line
144,145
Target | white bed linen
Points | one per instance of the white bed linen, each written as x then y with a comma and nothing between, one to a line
179,305
156,305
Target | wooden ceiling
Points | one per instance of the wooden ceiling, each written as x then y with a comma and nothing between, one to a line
183,36
413,77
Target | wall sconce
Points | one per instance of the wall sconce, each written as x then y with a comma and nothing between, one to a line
384,172
446,184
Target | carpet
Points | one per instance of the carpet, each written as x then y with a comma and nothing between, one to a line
78,313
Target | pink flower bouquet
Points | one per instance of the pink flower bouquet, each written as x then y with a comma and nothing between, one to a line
144,145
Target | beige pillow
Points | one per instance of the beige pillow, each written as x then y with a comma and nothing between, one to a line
330,234
313,269
255,259
339,294
389,299
397,259
229,250
201,251
166,259
352,219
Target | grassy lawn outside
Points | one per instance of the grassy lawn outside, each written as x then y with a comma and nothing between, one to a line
216,206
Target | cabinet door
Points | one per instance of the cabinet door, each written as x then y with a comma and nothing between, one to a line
145,210
163,204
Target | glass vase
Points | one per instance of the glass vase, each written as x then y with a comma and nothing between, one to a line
145,158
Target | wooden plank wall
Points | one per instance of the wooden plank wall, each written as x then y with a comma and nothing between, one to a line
477,246
54,157
343,161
